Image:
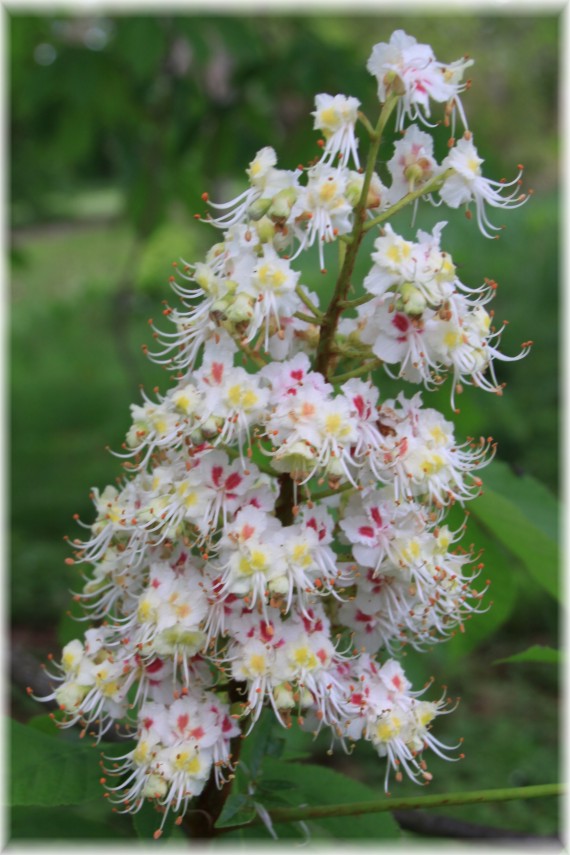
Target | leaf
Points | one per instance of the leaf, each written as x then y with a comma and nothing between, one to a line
44,723
536,653
299,744
52,823
532,497
47,770
522,519
317,785
265,741
238,810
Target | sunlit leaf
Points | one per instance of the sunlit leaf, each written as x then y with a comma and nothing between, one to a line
536,653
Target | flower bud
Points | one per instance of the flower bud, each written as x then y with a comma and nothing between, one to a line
283,695
155,787
258,209
394,84
297,459
410,300
282,203
241,309
70,696
265,229
279,585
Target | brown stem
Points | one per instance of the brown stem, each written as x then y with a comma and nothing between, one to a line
325,356
200,821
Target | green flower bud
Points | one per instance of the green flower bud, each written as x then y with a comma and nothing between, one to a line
258,209
282,203
410,300
266,230
155,787
239,309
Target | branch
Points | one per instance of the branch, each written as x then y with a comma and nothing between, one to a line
435,184
436,825
309,319
356,372
331,318
297,814
308,302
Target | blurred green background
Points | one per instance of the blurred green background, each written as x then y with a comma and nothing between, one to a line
118,124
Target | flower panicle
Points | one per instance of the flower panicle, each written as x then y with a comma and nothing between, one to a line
279,536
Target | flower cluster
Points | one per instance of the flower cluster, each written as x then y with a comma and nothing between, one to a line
280,531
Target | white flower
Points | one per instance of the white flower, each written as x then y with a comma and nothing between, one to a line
411,71
266,182
322,208
335,116
412,163
467,184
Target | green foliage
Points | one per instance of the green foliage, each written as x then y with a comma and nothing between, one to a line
522,515
270,774
59,823
536,653
315,785
49,771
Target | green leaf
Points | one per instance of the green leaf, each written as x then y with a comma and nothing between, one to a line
317,785
536,653
522,517
532,497
299,744
47,770
265,741
44,723
52,823
238,810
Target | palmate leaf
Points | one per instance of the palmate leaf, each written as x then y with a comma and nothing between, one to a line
47,770
522,514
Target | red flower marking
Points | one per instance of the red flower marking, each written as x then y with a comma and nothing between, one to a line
182,722
321,654
358,402
197,733
217,472
154,666
312,523
297,375
400,322
375,514
267,631
366,531
217,371
233,481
